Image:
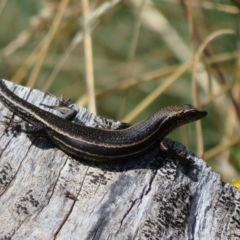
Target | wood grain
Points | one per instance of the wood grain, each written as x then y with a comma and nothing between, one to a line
150,197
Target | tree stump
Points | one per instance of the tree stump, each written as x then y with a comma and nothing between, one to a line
46,194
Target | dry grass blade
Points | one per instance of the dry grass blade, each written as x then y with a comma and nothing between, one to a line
158,74
88,60
199,137
213,97
210,6
151,97
47,42
77,39
17,43
198,54
194,81
130,82
91,18
136,33
220,148
27,64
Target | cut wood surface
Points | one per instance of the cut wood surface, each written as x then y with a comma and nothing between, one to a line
46,194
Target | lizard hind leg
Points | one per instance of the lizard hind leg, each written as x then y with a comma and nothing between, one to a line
21,126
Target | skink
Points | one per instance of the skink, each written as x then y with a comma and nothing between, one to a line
97,144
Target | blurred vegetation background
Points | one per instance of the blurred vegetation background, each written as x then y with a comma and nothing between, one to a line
125,60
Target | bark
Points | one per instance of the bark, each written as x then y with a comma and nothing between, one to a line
149,197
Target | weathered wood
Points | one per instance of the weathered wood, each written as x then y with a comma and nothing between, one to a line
152,197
